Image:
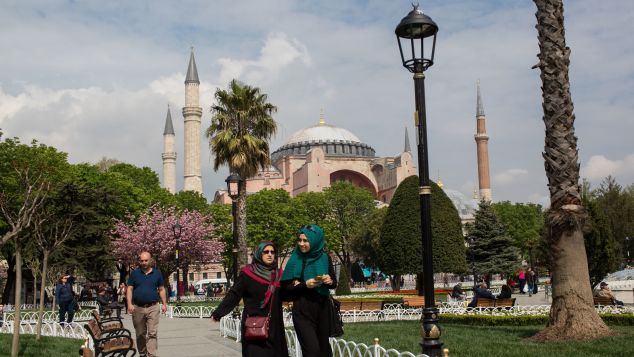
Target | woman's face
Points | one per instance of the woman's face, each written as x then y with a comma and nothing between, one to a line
303,243
268,255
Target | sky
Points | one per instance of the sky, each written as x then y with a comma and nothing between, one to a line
94,79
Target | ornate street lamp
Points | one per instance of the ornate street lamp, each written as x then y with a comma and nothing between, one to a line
177,229
233,189
417,30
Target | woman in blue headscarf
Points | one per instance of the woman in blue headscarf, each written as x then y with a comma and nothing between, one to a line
307,280
258,285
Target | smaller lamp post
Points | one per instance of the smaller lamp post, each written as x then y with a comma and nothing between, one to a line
233,189
473,269
627,247
177,229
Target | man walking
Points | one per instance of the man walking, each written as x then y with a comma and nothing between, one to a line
145,285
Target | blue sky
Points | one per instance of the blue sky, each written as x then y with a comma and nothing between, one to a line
94,78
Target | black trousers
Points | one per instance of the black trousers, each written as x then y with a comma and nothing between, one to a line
67,307
311,321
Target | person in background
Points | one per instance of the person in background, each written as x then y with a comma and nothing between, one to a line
457,292
481,292
83,294
65,298
145,287
308,277
522,278
209,291
530,281
604,291
505,292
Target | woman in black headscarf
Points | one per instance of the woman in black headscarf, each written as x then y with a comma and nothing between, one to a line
258,285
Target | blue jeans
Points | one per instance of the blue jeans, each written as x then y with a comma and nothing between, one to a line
530,288
64,308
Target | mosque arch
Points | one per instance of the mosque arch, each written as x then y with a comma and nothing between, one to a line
356,178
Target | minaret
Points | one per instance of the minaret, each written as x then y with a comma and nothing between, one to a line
192,113
408,148
169,154
482,142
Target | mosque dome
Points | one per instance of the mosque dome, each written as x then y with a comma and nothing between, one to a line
324,133
466,207
333,140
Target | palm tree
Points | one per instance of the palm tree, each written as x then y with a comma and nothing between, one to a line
572,313
239,135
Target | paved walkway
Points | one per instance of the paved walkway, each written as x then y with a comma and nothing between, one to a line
191,337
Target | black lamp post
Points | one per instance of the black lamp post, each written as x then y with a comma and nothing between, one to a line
177,229
472,253
233,189
417,30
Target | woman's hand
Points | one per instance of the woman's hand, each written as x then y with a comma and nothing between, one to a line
326,279
311,283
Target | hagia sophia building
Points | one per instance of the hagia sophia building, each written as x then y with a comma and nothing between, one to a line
313,158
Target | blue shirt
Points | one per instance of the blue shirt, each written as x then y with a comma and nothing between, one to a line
145,286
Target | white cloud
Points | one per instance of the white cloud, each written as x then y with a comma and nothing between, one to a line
509,176
278,52
598,167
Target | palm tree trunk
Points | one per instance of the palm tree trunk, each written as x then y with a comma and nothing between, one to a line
15,343
572,313
40,313
243,253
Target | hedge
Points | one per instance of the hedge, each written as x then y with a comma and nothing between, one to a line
524,320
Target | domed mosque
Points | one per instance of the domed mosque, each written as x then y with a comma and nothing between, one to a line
315,157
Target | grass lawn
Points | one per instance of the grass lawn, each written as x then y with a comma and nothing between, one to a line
45,347
506,341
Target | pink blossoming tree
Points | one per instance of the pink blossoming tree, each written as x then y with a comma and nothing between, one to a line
152,231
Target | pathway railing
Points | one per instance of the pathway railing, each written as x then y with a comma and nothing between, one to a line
230,327
47,316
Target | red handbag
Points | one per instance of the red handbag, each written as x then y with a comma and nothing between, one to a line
256,328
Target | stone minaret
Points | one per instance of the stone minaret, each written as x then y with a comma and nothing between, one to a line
169,154
192,113
482,142
408,148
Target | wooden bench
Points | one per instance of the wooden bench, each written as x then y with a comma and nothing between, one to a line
603,301
360,305
107,324
508,302
484,302
114,342
414,301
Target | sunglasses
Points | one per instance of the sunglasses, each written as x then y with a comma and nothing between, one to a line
268,252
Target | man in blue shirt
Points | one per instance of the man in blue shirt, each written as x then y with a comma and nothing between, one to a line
145,287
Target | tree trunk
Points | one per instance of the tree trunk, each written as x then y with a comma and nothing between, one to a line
34,289
572,313
40,313
395,281
243,253
15,344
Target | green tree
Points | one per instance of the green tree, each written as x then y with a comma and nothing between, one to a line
572,314
365,240
191,201
617,206
269,218
348,205
27,176
239,134
400,238
524,223
601,246
490,245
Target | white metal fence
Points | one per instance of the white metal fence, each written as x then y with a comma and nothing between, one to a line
48,316
230,327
